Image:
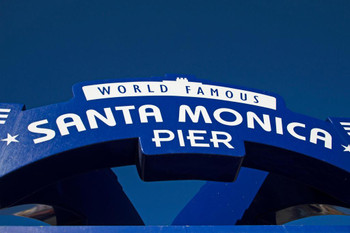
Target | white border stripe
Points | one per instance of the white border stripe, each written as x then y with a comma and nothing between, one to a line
5,110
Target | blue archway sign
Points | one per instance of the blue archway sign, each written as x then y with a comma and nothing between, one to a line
173,127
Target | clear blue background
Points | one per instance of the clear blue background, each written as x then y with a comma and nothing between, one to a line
298,49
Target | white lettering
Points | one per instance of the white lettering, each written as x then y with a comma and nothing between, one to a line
191,136
93,114
326,137
215,140
279,127
49,133
155,113
158,140
126,113
237,121
292,126
266,125
199,111
63,126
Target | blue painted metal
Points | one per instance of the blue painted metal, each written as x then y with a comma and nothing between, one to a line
219,203
171,128
91,198
175,229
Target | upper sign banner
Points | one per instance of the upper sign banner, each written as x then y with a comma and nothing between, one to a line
173,127
180,87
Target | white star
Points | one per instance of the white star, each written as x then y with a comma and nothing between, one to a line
10,139
346,148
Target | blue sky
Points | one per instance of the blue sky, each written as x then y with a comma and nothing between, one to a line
297,49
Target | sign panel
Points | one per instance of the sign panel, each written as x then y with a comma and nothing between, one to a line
173,127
